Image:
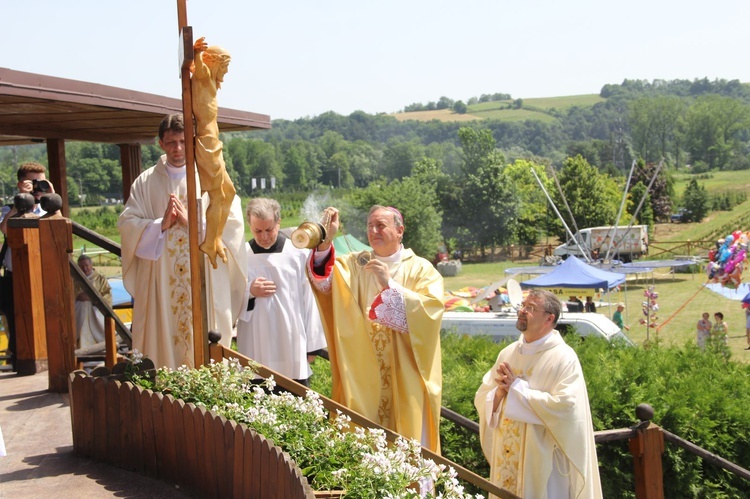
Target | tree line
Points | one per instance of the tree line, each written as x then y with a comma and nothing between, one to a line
471,183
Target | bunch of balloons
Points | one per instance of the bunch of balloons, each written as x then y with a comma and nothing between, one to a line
726,261
650,307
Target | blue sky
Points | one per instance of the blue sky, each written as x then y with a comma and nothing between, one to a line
296,58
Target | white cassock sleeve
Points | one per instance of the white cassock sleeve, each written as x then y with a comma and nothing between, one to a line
151,244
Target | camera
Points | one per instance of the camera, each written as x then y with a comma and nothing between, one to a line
41,186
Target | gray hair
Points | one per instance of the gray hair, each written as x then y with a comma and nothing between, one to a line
264,209
398,220
550,302
84,258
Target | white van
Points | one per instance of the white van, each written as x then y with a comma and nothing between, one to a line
501,326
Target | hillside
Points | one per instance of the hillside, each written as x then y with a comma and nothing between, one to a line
538,109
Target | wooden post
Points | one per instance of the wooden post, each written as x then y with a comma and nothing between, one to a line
647,447
58,172
28,296
110,356
55,244
130,161
200,338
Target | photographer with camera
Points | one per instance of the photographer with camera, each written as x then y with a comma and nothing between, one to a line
32,180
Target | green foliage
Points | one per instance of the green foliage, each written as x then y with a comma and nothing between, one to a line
646,215
533,203
695,201
102,220
592,197
661,191
654,122
726,201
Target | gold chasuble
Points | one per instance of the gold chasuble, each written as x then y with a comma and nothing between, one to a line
384,344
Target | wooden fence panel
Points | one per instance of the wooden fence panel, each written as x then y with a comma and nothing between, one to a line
276,488
251,471
200,446
227,473
100,419
136,430
125,423
190,437
220,455
238,482
150,463
76,389
158,437
168,469
114,446
209,465
265,465
180,442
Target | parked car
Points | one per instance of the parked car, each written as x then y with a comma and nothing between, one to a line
502,326
679,217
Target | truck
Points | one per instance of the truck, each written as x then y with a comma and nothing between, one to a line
630,243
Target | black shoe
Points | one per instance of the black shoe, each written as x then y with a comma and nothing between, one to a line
748,348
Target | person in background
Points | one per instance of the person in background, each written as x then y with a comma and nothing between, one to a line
703,330
590,306
382,312
535,423
156,259
720,328
574,304
89,320
32,179
617,317
747,325
280,327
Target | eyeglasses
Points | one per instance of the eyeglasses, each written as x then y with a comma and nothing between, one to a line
531,309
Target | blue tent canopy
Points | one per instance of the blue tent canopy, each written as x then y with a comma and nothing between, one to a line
573,273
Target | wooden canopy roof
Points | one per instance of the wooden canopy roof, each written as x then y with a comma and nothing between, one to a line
35,107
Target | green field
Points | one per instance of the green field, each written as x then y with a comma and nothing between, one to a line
533,109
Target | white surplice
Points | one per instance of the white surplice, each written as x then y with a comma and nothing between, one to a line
281,329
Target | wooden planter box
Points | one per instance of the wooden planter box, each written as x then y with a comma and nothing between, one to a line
158,436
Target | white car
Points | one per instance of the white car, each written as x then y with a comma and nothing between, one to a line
501,326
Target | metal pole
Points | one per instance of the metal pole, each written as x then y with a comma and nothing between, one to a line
585,255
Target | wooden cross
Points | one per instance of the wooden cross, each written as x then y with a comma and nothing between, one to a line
197,273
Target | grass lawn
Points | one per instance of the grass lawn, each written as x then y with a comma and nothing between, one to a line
682,299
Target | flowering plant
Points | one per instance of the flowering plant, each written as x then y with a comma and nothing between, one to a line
331,454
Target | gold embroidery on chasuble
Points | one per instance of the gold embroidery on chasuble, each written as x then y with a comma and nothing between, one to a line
509,456
380,336
177,248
